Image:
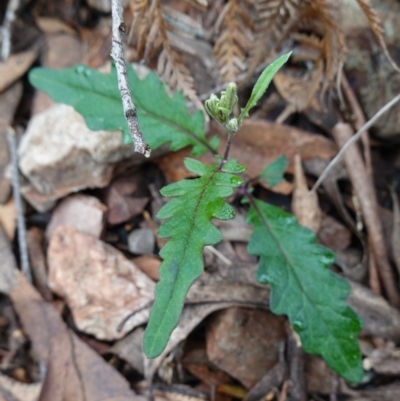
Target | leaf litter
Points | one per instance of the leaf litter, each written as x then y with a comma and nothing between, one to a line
56,335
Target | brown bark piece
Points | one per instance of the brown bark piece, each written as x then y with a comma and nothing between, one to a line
364,189
83,212
238,338
102,287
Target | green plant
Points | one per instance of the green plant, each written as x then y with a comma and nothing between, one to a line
296,268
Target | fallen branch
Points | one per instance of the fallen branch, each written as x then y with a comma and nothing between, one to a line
354,139
23,247
117,53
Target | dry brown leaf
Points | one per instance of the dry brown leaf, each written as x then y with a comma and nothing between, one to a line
257,144
298,91
305,206
191,317
236,339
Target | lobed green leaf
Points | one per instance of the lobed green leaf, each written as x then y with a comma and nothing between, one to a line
273,172
305,289
189,228
96,97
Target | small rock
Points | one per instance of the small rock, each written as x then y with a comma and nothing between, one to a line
59,155
106,292
141,241
82,212
239,338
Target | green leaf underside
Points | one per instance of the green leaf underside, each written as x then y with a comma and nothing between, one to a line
189,228
263,82
304,289
273,173
96,97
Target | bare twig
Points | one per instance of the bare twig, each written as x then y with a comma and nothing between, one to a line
363,187
117,53
23,248
354,139
6,28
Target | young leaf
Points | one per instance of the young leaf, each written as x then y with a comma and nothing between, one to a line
273,173
304,289
262,84
95,95
189,228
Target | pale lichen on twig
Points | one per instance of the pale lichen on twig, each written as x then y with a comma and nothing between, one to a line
23,247
9,18
117,53
353,140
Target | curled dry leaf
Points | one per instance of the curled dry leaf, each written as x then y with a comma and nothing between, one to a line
108,295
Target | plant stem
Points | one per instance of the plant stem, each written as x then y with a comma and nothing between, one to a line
231,134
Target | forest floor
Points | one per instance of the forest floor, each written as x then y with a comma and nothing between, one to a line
76,290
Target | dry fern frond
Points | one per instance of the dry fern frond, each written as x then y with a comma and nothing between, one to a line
152,37
234,40
273,17
320,18
175,74
377,29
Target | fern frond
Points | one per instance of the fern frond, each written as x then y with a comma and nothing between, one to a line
234,40
321,17
174,73
189,228
273,17
377,29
